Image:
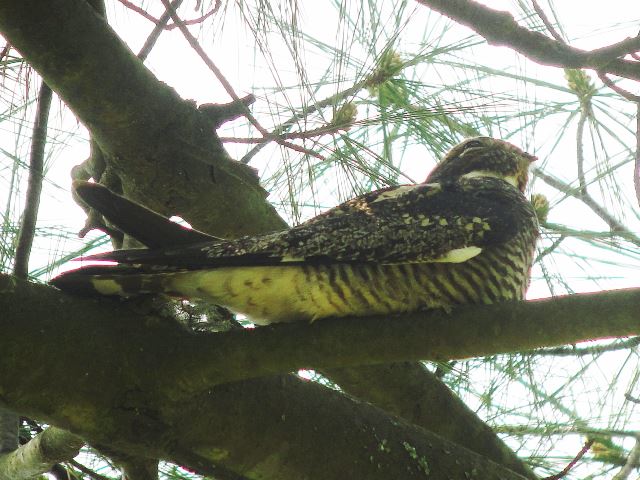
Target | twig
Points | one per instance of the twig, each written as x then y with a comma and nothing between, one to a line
87,471
157,30
589,201
572,463
580,150
193,42
562,430
138,10
316,132
550,248
331,100
631,398
547,23
631,463
158,21
620,91
34,188
200,19
5,51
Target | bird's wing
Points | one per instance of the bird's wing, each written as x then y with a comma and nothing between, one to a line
405,224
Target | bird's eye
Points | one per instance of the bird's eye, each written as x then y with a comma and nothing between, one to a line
472,144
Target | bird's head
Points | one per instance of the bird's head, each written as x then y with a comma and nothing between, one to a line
484,157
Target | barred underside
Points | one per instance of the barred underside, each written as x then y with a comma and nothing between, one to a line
306,292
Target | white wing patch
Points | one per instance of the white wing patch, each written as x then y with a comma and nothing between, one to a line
291,258
395,193
107,286
484,173
459,255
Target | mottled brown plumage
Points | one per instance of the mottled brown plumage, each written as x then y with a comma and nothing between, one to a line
466,235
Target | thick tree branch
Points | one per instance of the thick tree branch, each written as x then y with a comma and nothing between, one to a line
411,392
467,332
140,469
166,367
500,28
131,409
39,454
198,362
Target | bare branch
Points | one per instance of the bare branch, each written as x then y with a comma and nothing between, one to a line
580,151
572,463
34,188
161,22
620,91
500,28
87,471
547,23
157,30
615,225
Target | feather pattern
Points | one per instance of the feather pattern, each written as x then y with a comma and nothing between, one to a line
466,235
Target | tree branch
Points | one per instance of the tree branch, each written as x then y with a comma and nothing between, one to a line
467,332
614,224
255,428
139,469
171,373
36,168
161,25
9,425
500,28
39,454
198,362
413,393
632,462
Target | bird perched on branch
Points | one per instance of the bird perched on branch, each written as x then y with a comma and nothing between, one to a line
465,235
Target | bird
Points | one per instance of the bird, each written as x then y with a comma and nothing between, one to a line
466,235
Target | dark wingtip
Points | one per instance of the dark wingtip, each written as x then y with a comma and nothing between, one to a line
75,281
81,280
